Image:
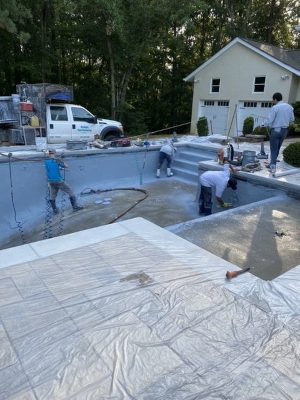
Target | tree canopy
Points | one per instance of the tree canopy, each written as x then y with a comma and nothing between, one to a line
126,59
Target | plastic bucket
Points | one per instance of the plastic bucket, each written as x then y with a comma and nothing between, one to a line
15,99
26,106
249,157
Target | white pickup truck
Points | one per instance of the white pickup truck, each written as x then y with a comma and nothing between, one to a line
74,122
45,110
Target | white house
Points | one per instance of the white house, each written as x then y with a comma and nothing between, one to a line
239,81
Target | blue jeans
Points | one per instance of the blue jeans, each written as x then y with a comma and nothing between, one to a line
56,186
162,157
276,140
205,203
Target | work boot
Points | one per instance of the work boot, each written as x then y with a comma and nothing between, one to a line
169,173
158,173
273,169
201,209
53,205
75,206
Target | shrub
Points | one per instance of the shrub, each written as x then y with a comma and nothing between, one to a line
202,126
248,126
294,129
291,154
296,107
261,130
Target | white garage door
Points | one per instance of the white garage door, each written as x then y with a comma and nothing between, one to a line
216,112
259,110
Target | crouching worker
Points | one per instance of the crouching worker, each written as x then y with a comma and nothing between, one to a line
217,180
166,152
56,182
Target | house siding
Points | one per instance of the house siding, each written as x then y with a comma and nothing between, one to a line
237,68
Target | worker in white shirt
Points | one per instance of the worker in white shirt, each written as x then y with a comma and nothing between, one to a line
217,180
166,152
280,117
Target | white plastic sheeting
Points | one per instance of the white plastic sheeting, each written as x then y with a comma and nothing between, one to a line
129,318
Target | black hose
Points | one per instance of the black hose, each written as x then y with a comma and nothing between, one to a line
98,191
19,223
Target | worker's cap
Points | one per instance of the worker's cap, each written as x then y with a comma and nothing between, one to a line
52,151
232,183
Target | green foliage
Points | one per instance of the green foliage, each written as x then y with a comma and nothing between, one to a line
248,126
291,154
296,107
127,59
261,130
294,129
12,14
202,126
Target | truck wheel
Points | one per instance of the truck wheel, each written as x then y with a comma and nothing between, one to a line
111,136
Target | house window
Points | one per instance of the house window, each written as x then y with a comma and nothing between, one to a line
250,104
266,104
215,85
259,84
223,103
209,102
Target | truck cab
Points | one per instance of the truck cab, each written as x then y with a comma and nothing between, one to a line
73,122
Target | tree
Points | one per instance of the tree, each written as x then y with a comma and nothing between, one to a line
13,33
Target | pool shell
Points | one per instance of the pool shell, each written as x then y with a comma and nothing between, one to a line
245,235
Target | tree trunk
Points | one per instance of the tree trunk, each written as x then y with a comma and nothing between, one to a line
269,37
124,86
112,77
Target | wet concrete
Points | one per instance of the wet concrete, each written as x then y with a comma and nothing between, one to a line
165,202
243,236
263,236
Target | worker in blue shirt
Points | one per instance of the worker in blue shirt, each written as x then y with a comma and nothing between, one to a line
56,182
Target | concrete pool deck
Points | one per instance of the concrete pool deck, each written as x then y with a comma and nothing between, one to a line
133,311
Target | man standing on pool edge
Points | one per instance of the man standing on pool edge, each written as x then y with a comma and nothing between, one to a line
280,117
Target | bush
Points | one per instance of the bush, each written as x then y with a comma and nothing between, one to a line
296,107
294,129
261,130
291,154
248,126
202,126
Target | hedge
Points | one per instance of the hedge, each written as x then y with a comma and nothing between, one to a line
291,154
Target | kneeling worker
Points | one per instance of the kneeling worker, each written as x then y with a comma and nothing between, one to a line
217,180
56,182
166,152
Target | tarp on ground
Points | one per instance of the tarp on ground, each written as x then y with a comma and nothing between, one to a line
128,318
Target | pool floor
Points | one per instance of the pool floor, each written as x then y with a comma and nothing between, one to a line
244,235
263,236
169,201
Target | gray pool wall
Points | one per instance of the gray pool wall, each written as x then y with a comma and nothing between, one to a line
24,188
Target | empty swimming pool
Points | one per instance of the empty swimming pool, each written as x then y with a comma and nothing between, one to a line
245,235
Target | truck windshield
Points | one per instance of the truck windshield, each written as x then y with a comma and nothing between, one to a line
80,114
58,113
